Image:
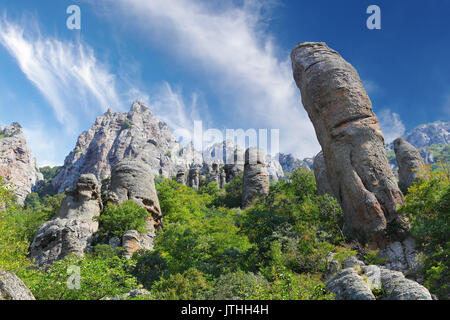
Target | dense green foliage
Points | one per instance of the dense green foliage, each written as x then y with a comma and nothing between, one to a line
116,220
92,277
428,206
211,249
45,187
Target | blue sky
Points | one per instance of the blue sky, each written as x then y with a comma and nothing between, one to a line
223,62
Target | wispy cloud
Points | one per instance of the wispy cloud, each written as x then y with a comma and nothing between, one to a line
391,125
66,73
231,46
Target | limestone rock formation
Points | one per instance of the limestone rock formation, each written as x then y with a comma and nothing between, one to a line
356,281
351,139
115,136
256,178
12,288
409,162
73,228
321,175
132,179
289,162
17,165
430,133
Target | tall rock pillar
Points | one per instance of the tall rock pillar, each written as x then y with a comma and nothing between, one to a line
351,139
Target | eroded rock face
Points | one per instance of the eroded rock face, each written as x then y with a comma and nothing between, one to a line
409,162
17,165
115,136
256,178
132,179
351,139
73,228
321,175
12,288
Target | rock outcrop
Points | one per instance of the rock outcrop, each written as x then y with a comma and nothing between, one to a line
17,165
115,136
351,139
73,228
356,281
12,288
409,162
321,175
132,179
256,178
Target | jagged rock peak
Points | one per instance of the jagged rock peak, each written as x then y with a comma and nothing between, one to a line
17,164
115,136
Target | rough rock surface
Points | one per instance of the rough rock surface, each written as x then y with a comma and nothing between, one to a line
115,136
351,139
321,175
348,285
409,162
17,165
256,178
72,229
356,281
12,288
402,256
132,179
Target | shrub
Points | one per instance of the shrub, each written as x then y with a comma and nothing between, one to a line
150,267
100,278
189,285
13,245
237,285
116,220
428,206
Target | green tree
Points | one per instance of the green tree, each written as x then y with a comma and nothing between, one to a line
117,220
428,207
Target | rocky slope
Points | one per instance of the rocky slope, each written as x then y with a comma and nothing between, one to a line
115,136
17,165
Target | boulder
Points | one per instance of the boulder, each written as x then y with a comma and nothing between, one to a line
348,285
352,142
321,175
73,228
12,288
360,282
409,162
397,287
256,178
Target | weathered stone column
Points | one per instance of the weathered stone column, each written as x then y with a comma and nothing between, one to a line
409,162
351,140
256,178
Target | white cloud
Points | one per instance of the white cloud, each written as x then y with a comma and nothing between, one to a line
232,47
391,125
67,74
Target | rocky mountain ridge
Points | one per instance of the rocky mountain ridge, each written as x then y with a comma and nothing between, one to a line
17,164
